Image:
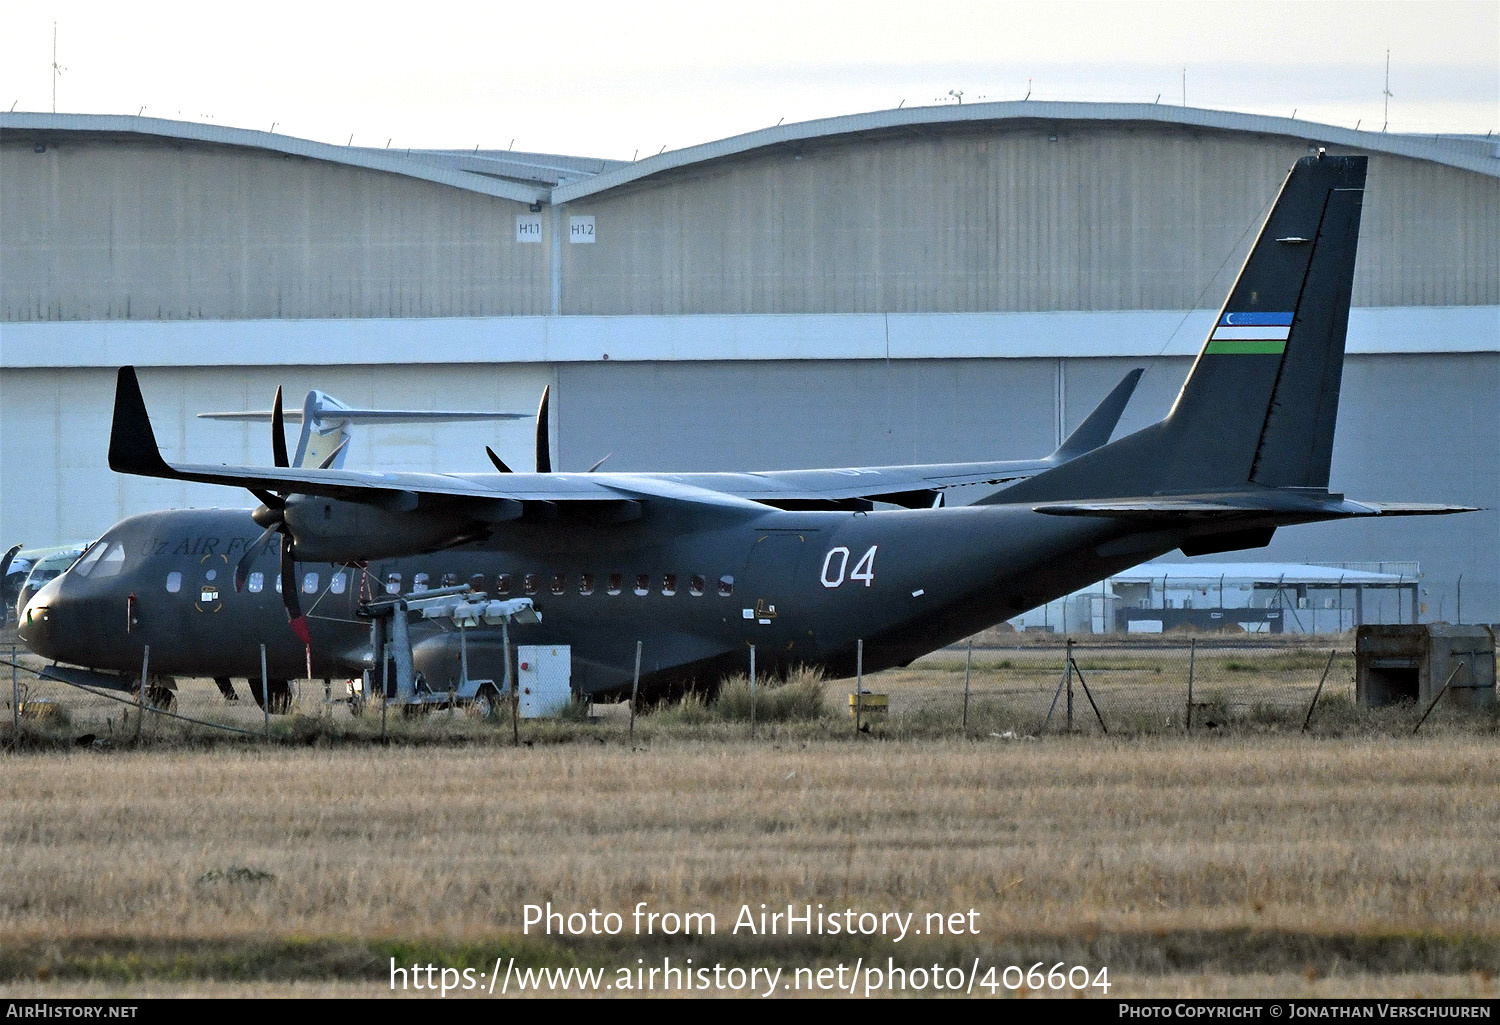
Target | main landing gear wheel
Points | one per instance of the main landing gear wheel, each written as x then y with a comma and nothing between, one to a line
487,703
280,692
226,688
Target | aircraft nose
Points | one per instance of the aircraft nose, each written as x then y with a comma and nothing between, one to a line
37,624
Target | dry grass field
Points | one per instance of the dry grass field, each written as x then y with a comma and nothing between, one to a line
1211,865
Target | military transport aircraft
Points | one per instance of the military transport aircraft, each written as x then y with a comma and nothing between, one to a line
802,564
216,632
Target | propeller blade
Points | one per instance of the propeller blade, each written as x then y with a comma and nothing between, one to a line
9,557
600,463
295,619
269,499
326,463
499,463
543,446
278,432
242,568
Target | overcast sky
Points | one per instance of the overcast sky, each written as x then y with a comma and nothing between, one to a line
617,79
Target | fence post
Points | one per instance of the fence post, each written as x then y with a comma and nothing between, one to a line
968,669
1083,682
1438,698
513,685
1319,691
15,700
140,713
859,686
385,683
752,690
1192,660
635,688
1068,674
265,697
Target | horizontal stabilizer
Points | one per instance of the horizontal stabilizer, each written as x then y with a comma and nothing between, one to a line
1415,508
1276,503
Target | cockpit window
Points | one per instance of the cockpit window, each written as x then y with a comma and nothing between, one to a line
85,565
111,562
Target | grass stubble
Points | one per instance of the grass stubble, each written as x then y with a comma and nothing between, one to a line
1229,863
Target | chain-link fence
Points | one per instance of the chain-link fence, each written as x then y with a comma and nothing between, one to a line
48,700
1001,685
1113,685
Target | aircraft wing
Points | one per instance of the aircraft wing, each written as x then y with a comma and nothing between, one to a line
918,486
133,449
364,416
859,486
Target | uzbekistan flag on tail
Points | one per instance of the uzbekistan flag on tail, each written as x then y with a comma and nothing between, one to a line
1251,332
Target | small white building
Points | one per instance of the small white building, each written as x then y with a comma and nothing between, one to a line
1256,597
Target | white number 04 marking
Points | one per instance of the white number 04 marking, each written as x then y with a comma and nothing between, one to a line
836,565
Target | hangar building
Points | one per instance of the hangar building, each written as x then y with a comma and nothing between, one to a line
928,284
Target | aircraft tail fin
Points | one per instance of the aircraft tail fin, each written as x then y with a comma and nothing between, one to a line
1259,405
1100,424
1264,393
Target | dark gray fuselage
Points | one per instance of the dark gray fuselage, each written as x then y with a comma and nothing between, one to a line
804,587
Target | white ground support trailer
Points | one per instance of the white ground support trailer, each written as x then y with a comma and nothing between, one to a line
466,609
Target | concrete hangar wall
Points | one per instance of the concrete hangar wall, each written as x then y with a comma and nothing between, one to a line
930,284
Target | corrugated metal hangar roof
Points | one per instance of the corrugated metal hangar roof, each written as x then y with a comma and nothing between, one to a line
545,178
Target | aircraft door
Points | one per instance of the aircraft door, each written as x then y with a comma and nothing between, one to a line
766,597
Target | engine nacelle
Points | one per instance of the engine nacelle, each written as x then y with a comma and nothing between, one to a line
333,530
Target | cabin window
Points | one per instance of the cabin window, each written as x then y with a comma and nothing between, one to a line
85,565
502,584
669,584
616,582
310,583
393,583
532,584
476,582
697,584
336,585
112,562
559,583
419,583
278,583
256,582
174,582
586,584
643,583
451,580
726,586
